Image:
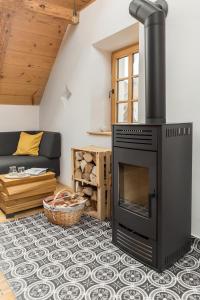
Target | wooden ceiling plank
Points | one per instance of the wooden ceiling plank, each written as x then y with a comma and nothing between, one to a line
36,23
15,99
46,8
18,89
5,29
23,74
31,32
29,60
81,4
26,42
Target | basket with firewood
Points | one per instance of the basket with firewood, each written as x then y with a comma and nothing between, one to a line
64,209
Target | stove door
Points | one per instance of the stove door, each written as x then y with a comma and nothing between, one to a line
134,190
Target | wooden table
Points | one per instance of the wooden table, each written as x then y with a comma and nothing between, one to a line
25,193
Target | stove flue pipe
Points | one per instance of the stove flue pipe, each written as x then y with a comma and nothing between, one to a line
152,15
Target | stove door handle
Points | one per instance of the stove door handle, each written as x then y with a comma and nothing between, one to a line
152,204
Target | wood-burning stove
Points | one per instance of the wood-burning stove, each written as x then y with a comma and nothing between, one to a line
152,163
152,173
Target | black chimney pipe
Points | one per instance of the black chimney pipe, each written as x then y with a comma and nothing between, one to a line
152,15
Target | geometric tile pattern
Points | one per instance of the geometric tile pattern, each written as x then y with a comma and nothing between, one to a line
46,262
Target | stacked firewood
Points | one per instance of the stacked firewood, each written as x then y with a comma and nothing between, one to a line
85,166
89,193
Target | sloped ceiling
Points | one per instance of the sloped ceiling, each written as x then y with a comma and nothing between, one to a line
31,32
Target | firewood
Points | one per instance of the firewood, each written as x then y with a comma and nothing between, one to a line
79,155
83,164
78,174
88,157
93,178
94,159
88,191
88,203
77,164
94,196
81,194
79,188
94,170
86,176
89,168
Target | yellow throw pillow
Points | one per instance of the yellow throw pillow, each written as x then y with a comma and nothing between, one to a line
29,144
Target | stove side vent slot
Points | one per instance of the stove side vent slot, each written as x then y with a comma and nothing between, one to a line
178,131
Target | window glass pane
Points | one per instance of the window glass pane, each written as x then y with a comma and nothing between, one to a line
135,111
135,88
123,90
136,64
123,113
123,67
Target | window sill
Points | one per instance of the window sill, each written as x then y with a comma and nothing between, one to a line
100,133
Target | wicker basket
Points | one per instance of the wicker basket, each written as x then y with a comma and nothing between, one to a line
63,216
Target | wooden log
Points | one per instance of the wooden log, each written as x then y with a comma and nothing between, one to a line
89,168
88,203
94,159
86,176
93,178
78,174
83,165
79,188
79,155
77,164
88,157
88,191
94,170
94,196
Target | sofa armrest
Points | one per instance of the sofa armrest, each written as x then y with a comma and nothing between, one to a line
50,145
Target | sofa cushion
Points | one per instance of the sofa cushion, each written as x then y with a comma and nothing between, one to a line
50,145
28,162
8,142
29,144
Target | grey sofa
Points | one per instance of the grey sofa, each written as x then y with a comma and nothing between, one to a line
49,154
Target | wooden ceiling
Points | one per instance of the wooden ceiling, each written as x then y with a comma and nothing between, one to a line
31,32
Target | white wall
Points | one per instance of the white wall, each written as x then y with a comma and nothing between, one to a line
84,70
183,81
19,117
87,72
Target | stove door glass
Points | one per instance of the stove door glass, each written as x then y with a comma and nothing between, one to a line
134,186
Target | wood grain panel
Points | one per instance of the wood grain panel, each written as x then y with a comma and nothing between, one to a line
31,32
49,9
9,88
37,23
23,74
14,58
81,4
27,42
16,99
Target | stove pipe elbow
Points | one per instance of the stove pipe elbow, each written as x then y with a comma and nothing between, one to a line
152,15
146,11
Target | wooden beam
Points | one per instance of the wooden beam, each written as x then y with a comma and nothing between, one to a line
53,10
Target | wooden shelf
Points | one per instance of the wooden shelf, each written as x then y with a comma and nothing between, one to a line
100,133
85,181
95,161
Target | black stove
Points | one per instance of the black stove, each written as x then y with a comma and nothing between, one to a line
152,164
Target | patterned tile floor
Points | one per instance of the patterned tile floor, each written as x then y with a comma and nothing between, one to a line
46,262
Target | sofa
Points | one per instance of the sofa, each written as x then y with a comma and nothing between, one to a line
49,153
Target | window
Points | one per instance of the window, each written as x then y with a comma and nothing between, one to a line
125,82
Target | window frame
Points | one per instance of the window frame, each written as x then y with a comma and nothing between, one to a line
125,52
